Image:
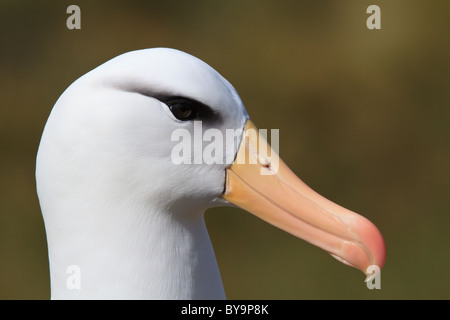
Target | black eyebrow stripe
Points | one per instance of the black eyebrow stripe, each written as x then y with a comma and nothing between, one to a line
205,113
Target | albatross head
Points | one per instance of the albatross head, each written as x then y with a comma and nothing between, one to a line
124,175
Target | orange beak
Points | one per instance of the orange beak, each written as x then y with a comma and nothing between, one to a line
261,183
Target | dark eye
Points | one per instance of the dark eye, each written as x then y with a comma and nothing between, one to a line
183,110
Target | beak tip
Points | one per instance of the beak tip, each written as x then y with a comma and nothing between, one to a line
367,250
373,240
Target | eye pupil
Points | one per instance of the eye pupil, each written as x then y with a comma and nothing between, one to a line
182,111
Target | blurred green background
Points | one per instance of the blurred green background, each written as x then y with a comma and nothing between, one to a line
364,119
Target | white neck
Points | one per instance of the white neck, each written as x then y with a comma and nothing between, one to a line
134,254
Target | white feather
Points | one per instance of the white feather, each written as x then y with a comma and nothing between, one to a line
113,202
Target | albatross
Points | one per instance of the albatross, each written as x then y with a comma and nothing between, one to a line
129,219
